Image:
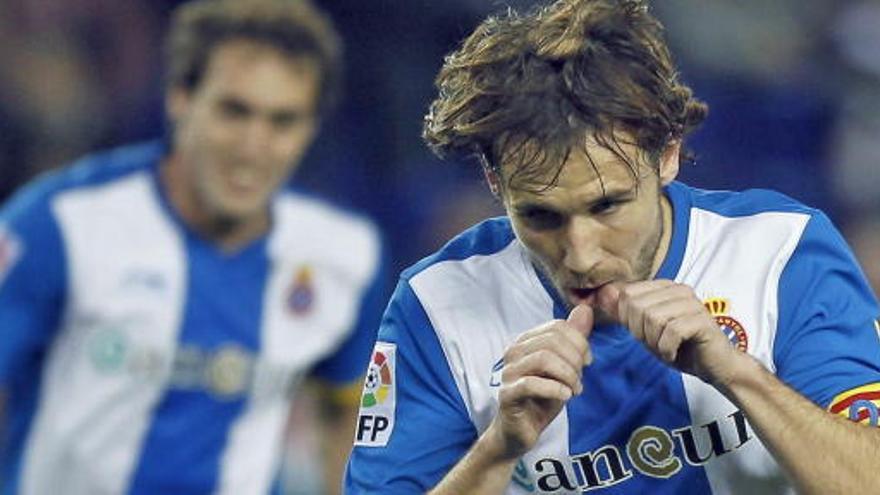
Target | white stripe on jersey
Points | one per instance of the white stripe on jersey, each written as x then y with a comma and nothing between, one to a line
714,245
343,254
126,290
456,295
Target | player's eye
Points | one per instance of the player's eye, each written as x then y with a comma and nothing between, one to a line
541,218
607,206
286,120
234,110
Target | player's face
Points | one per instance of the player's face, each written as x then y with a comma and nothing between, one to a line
582,236
240,133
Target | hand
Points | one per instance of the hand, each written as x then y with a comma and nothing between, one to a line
673,324
542,370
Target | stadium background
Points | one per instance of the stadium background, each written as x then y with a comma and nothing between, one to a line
793,86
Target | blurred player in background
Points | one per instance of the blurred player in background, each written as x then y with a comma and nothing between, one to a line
160,302
617,331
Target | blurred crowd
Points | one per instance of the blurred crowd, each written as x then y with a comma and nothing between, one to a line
793,87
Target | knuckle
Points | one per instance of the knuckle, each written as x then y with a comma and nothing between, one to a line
562,390
680,288
574,338
506,393
543,356
655,319
521,386
509,373
512,354
675,325
530,333
509,390
560,368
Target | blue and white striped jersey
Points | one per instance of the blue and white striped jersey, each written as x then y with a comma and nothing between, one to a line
778,278
141,358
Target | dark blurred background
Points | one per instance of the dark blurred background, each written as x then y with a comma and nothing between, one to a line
793,86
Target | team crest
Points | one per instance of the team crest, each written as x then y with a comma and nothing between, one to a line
734,331
301,296
10,250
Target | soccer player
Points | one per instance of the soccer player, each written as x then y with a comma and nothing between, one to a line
617,331
160,302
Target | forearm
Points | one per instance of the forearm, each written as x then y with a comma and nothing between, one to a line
482,471
821,452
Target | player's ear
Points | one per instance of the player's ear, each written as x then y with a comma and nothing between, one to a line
493,179
668,166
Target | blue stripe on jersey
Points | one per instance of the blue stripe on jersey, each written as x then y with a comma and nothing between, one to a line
422,377
743,203
560,309
225,305
679,197
825,302
487,237
32,299
625,389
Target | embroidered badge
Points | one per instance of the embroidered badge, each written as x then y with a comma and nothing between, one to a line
376,418
734,331
301,295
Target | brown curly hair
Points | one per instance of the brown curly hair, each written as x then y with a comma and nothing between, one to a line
529,88
295,27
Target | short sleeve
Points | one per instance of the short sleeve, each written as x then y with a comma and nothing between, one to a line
828,339
348,362
413,426
32,280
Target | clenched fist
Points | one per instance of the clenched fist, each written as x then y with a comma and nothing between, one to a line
542,370
673,324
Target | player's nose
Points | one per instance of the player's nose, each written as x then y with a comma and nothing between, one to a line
581,245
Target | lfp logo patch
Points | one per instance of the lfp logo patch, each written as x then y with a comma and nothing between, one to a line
734,331
861,404
10,250
376,418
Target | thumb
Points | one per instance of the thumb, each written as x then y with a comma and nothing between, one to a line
581,318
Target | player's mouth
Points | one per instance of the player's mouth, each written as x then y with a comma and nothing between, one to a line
244,181
583,295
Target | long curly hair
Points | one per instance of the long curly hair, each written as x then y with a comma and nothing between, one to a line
526,89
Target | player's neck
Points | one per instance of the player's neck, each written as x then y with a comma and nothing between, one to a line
228,233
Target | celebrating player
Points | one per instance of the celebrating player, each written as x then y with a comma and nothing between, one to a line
618,331
159,302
